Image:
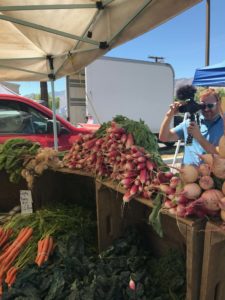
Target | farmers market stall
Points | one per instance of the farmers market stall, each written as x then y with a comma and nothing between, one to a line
118,173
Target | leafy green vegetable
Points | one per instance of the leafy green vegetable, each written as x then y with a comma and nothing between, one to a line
76,273
154,218
12,155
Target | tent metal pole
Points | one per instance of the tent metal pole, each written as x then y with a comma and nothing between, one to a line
22,70
46,7
207,44
47,29
130,20
52,78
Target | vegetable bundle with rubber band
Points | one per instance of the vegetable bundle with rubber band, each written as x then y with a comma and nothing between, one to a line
122,150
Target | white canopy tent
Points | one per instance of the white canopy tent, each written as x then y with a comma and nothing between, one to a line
43,40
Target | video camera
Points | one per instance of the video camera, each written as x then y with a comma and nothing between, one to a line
191,106
186,93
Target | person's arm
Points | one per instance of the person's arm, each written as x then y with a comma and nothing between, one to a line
166,134
194,130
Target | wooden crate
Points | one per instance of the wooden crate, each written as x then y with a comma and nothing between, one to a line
9,192
213,270
64,186
184,234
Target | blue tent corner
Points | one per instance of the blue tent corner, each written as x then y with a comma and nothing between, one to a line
213,75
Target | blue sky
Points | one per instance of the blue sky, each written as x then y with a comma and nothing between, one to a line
181,41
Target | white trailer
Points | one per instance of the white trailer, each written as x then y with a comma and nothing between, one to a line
133,88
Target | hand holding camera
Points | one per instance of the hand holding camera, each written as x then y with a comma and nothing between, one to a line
194,131
174,109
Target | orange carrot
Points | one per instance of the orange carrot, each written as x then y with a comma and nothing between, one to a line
49,250
40,246
43,253
11,275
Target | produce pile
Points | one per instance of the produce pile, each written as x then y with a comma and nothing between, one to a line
45,158
196,191
199,191
31,239
125,271
122,150
13,153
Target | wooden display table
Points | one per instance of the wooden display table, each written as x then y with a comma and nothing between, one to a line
213,269
184,234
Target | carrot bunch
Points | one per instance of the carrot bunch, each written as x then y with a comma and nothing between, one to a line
45,248
13,250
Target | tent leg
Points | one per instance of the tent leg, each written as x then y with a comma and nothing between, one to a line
52,78
54,116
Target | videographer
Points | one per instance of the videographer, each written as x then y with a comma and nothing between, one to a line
202,133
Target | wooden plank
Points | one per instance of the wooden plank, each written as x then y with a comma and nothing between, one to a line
73,171
213,270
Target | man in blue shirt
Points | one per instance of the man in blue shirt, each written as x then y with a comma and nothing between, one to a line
206,135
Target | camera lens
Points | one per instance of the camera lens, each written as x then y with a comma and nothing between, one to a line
183,109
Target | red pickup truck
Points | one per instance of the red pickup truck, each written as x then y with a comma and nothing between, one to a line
25,118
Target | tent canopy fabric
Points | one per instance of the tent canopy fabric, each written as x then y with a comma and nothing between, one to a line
213,75
5,90
41,39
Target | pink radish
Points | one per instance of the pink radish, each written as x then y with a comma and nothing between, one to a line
143,176
150,165
127,196
133,190
141,166
130,141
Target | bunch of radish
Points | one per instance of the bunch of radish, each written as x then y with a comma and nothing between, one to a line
116,156
194,193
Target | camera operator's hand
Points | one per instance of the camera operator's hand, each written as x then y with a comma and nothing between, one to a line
193,130
173,109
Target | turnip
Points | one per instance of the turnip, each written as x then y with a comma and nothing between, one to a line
218,167
189,174
207,158
223,188
206,182
191,190
222,215
222,203
211,199
204,169
181,210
